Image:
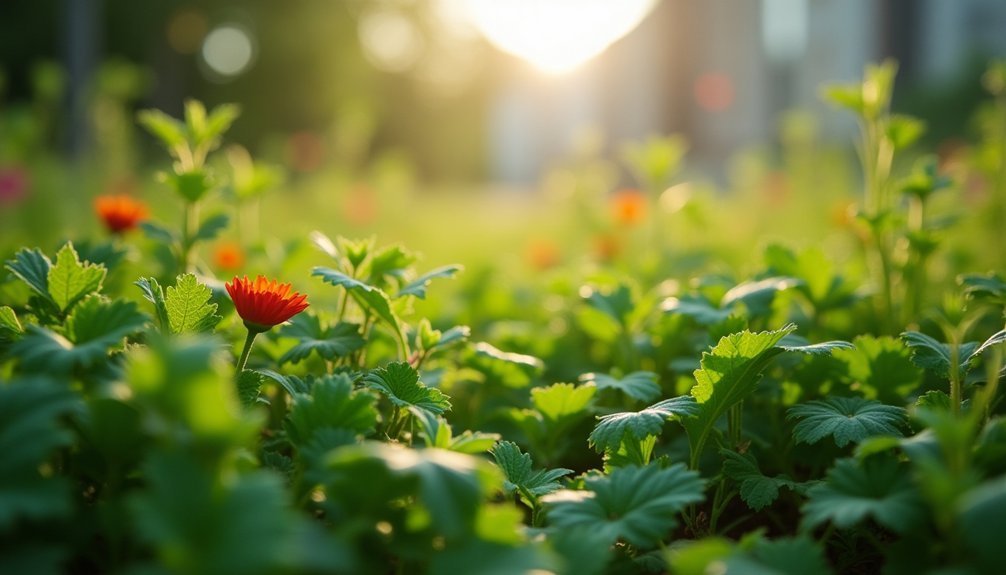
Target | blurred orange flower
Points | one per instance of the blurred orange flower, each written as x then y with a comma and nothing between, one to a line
542,254
229,256
628,206
264,303
606,247
120,213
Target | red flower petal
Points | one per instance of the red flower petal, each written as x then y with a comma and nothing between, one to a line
264,302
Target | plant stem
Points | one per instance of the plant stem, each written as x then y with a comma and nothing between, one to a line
249,340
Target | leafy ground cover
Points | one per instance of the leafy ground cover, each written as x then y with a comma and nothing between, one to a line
663,414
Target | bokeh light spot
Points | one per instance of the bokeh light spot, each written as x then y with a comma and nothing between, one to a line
390,41
228,50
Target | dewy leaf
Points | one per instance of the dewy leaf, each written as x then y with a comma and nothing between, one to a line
728,374
847,419
611,429
153,293
331,404
70,280
756,489
32,267
188,306
875,487
641,385
518,474
635,504
417,287
329,343
30,429
399,381
562,400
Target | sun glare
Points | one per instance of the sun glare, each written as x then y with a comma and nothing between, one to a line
557,35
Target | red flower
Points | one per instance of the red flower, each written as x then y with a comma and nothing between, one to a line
264,303
120,213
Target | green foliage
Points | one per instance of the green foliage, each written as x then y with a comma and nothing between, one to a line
69,280
188,306
331,405
876,487
399,382
641,385
9,325
417,287
32,267
636,504
328,342
881,368
756,489
846,419
612,429
562,401
516,467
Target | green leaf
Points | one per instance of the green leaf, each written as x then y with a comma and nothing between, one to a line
510,369
847,419
881,368
153,293
616,304
191,186
389,261
756,489
982,513
249,384
636,504
211,228
399,381
757,296
436,432
329,342
208,130
93,328
331,404
641,385
903,131
32,267
562,400
934,356
990,286
188,306
30,429
417,287
8,322
70,280
158,233
197,524
847,96
876,487
611,429
788,556
728,374
518,474
168,130
367,296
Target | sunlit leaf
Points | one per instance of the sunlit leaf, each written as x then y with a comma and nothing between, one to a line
69,280
32,267
517,470
876,487
881,368
641,385
562,400
331,404
611,429
935,356
188,306
417,287
847,419
510,369
9,324
636,504
328,342
399,381
153,293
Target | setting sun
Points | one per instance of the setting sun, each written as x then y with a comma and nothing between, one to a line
557,35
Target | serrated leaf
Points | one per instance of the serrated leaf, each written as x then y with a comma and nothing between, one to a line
417,287
847,419
876,487
518,473
30,429
641,385
70,280
611,429
188,306
249,383
292,384
729,373
329,342
399,381
369,297
93,328
9,322
636,504
562,400
756,489
934,356
881,368
32,267
389,261
211,228
331,404
153,293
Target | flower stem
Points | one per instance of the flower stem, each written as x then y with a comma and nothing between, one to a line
249,340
